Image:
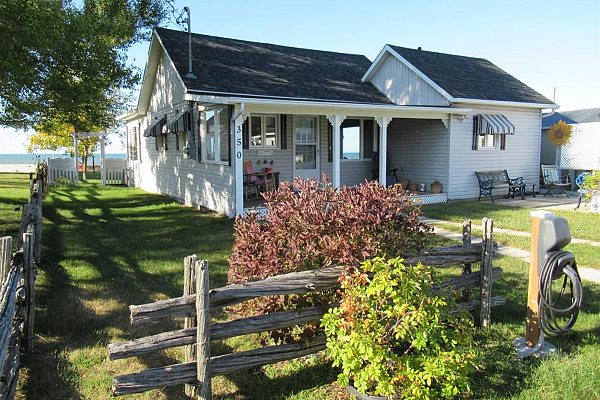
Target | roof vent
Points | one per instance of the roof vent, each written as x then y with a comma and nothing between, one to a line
418,48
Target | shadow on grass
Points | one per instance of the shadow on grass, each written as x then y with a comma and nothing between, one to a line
105,249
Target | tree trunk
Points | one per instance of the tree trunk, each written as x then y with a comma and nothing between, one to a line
84,161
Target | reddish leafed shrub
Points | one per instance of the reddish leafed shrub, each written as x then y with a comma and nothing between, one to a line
311,225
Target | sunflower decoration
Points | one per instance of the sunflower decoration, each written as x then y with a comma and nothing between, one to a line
560,133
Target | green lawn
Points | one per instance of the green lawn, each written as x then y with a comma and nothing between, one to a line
583,225
106,248
14,193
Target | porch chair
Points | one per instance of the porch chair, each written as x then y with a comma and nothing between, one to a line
582,192
255,180
554,181
392,174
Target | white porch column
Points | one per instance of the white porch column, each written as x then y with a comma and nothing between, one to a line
76,156
336,122
102,156
239,161
383,123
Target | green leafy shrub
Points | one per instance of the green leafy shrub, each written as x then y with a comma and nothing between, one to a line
591,184
391,337
311,225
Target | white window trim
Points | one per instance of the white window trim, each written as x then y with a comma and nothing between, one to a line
263,131
495,147
204,142
361,138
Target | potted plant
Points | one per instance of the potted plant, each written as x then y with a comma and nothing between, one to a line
436,187
393,338
413,187
404,182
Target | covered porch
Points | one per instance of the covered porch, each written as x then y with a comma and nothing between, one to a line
350,143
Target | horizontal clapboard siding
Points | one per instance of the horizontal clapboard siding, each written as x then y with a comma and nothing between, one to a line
403,86
170,172
521,157
425,161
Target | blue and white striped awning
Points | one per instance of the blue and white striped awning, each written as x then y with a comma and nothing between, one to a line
494,124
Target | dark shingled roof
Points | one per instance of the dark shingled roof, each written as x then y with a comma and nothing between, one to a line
469,77
551,119
259,69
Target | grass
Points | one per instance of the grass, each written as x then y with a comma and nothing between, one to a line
106,248
14,193
586,254
583,225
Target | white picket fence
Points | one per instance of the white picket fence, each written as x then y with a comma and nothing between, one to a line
59,168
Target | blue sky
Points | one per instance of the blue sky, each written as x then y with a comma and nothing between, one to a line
545,44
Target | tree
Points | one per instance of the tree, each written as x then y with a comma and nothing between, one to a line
56,134
67,62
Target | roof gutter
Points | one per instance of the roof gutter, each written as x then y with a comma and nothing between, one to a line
383,108
505,103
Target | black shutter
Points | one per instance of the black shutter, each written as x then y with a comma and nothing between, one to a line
245,134
502,142
368,138
177,141
330,143
283,131
475,135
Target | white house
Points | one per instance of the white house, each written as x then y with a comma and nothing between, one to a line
582,153
309,112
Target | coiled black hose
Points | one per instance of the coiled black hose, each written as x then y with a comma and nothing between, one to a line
557,264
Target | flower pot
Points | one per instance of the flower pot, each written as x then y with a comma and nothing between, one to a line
352,390
436,188
404,183
413,187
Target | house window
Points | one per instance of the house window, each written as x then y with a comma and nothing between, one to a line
356,139
214,133
133,143
182,140
263,131
489,142
161,142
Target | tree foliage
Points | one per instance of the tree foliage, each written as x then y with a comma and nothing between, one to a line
65,61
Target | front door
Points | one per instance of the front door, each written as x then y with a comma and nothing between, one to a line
306,147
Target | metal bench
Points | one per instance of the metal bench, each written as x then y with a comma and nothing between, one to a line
490,180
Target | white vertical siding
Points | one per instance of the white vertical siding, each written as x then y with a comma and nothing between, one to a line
521,157
424,161
404,87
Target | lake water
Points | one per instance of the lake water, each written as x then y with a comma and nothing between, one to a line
34,158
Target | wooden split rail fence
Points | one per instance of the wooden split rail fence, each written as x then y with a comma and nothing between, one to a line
197,303
17,296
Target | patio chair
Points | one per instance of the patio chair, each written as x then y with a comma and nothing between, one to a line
256,180
582,192
392,174
554,181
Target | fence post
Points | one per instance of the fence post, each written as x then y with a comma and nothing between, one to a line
23,226
190,263
466,239
487,252
29,278
203,332
5,256
38,225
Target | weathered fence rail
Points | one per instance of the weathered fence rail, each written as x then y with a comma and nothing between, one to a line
17,295
198,301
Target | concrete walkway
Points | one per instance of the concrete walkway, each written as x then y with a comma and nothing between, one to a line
434,221
588,274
